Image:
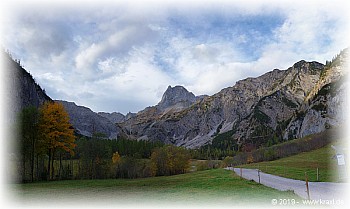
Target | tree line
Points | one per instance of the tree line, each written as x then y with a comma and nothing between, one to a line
49,149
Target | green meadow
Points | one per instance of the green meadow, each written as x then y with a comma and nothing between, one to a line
216,186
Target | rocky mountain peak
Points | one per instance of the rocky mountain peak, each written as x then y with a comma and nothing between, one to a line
299,64
177,95
308,67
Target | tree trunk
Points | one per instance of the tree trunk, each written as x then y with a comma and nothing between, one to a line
23,168
92,169
32,160
49,165
79,171
52,164
60,167
71,167
37,167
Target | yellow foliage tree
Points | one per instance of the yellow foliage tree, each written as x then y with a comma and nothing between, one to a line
250,158
56,131
115,158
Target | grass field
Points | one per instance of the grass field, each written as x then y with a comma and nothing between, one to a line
295,166
216,186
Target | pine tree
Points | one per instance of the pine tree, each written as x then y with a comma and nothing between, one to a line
29,133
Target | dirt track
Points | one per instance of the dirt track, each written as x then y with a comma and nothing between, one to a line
317,190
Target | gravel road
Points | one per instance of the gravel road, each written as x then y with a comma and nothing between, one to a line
317,190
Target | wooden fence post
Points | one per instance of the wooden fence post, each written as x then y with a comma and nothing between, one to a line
241,172
259,174
317,176
307,186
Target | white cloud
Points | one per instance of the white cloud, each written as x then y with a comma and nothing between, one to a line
116,46
121,57
314,32
218,77
140,83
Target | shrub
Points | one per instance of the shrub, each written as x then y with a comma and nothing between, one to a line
169,160
228,161
269,154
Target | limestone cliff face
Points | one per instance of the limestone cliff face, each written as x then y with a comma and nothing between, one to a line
325,104
324,112
21,90
254,110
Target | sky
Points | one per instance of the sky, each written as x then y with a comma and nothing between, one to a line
121,56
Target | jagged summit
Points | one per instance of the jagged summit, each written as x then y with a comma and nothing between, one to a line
177,95
308,66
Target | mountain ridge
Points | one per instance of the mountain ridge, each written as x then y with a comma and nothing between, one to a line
279,105
86,122
253,109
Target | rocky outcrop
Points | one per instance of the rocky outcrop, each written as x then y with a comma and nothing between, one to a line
254,110
87,122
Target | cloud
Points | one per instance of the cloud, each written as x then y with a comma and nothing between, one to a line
116,46
40,37
122,56
314,32
141,82
203,68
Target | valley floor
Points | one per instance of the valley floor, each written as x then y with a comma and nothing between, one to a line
216,187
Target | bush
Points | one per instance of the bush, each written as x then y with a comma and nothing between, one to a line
207,164
130,167
269,154
169,160
228,161
202,165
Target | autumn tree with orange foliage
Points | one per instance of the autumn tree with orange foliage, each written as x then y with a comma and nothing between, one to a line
56,133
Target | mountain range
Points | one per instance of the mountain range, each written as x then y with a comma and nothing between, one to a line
306,98
280,105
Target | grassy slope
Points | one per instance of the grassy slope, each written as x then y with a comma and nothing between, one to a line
210,186
295,166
